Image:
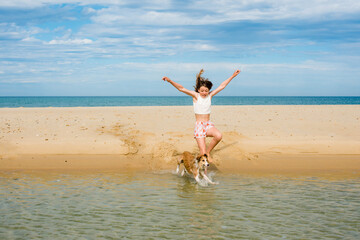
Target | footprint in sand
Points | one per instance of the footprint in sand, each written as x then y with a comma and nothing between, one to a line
250,156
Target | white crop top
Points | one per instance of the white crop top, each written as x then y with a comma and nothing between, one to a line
202,105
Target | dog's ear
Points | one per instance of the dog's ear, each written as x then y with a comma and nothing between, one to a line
198,158
206,155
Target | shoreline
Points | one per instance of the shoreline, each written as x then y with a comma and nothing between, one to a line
290,164
256,138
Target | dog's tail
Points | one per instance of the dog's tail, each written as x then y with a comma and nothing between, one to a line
179,162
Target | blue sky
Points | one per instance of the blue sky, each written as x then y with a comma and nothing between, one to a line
123,47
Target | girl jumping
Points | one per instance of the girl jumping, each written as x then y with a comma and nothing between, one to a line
202,108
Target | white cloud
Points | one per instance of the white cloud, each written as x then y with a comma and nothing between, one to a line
206,12
97,40
200,47
71,41
309,65
201,12
30,39
11,31
155,4
282,9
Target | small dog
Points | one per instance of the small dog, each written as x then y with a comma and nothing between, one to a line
196,166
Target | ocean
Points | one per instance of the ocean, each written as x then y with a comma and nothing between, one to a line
96,101
162,205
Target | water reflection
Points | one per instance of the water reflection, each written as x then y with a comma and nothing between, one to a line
163,205
201,204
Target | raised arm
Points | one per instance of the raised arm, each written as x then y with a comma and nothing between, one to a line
224,84
180,87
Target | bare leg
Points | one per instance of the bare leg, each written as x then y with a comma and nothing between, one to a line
216,138
202,145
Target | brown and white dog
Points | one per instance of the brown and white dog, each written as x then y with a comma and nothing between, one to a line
196,166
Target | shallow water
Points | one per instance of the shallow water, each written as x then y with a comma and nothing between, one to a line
162,205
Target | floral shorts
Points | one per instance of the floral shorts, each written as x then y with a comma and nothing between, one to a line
201,129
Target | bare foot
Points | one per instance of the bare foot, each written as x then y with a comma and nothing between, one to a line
209,158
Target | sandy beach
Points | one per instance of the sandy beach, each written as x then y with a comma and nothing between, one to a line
255,138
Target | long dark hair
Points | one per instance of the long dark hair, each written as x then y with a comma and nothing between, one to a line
201,81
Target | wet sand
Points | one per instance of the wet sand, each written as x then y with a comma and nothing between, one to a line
255,138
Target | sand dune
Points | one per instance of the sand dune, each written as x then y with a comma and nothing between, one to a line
255,138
